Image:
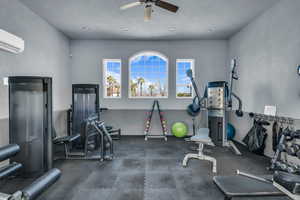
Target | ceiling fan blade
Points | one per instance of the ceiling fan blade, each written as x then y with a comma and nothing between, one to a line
167,6
131,5
148,12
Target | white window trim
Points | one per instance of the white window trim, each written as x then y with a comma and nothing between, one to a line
192,61
104,67
129,73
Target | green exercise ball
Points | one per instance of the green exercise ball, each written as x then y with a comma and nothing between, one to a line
179,129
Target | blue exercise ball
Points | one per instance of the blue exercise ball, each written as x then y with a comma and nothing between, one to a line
230,131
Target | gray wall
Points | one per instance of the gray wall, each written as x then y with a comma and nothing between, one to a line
132,122
268,54
87,55
46,54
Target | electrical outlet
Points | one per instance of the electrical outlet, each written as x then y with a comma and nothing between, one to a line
5,81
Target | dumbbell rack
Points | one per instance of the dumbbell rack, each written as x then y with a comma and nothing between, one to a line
291,150
163,123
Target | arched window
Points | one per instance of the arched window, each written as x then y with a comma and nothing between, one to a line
148,75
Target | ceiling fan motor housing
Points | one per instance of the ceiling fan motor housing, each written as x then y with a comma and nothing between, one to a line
148,6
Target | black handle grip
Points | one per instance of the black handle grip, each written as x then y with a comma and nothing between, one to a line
239,113
8,151
41,184
102,109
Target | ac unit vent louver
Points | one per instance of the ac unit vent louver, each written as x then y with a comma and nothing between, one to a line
11,43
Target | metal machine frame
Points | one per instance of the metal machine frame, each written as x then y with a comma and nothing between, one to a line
85,128
217,100
217,114
91,128
25,92
82,89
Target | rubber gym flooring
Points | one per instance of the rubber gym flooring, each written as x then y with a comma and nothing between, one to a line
146,170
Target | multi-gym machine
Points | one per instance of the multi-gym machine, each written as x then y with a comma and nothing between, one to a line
217,100
88,137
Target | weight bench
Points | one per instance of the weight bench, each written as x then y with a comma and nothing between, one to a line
80,154
248,185
201,138
66,141
240,186
287,183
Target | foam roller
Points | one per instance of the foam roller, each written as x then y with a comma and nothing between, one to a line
41,184
9,169
8,151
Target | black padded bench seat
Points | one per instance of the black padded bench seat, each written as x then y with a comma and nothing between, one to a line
108,128
66,139
291,182
240,186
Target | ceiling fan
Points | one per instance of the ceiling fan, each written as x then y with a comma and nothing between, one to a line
148,6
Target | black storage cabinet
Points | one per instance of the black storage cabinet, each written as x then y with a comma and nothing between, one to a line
85,102
30,122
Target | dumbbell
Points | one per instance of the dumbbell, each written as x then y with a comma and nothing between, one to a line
293,149
280,165
288,168
298,154
291,135
282,147
295,134
292,169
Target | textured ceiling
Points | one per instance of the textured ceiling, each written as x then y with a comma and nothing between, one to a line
102,19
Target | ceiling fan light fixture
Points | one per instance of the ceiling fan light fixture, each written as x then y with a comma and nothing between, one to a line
131,5
148,7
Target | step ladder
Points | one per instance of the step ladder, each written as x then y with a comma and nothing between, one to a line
163,123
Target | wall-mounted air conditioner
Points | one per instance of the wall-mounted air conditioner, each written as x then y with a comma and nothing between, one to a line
10,42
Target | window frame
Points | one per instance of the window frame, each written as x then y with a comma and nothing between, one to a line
104,76
192,61
142,53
